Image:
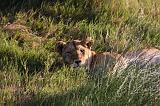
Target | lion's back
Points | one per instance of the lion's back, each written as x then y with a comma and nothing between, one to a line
144,57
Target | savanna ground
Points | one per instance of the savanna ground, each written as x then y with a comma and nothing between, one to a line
32,73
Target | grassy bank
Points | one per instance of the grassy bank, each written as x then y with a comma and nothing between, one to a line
32,73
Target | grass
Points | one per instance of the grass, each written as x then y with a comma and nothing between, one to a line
32,73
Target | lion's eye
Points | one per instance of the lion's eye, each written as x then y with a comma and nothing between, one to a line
82,51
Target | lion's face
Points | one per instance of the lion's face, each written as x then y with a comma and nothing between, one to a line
75,53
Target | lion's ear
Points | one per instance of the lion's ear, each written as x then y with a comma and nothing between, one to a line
88,42
59,46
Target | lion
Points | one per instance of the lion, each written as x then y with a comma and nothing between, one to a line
78,53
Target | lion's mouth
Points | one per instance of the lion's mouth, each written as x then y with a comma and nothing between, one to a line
74,65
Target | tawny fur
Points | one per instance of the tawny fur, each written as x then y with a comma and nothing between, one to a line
77,50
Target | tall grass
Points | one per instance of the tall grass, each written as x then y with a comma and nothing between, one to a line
32,73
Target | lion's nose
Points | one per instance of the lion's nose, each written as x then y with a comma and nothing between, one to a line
77,61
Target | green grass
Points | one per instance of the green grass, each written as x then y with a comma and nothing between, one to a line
32,73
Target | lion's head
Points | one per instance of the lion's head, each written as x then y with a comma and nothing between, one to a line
75,53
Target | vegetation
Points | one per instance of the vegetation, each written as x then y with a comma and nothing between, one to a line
31,72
